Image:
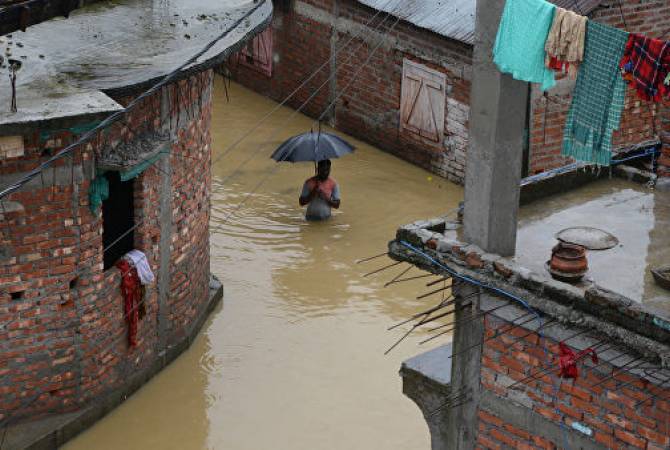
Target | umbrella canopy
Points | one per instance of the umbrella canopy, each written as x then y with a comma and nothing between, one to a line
312,147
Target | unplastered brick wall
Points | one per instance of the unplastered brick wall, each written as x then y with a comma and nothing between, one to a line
638,119
368,96
63,332
610,407
664,129
514,386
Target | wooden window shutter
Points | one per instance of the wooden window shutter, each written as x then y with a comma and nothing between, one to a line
257,54
422,101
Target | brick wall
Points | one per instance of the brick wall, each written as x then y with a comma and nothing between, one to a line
304,37
637,121
664,130
610,409
369,105
64,338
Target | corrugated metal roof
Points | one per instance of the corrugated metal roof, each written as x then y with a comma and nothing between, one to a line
454,19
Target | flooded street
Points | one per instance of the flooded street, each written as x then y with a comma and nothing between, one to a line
294,357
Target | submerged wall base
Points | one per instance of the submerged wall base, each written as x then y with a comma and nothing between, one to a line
54,431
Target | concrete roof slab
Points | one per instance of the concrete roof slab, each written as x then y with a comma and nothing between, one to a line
114,46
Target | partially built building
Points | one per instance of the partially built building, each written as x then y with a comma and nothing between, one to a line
103,152
539,362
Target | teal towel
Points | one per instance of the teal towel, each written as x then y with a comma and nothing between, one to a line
519,46
598,98
98,192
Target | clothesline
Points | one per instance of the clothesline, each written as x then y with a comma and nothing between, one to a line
536,39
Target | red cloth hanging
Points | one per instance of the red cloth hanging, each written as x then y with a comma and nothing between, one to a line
645,66
131,288
567,360
557,65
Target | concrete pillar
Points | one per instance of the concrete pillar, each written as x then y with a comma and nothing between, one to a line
463,421
493,170
492,188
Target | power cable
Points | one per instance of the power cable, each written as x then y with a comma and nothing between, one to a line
244,200
276,167
279,129
234,145
89,135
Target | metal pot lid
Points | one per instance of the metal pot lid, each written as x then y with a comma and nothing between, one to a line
588,237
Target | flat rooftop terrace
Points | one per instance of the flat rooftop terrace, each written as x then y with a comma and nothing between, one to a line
639,217
69,64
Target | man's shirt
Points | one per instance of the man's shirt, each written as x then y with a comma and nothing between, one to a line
318,208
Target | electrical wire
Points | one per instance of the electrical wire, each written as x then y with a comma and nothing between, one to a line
89,135
234,210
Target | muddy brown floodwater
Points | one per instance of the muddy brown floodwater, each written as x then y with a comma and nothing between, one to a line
294,357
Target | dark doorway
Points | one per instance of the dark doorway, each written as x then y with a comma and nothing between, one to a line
118,219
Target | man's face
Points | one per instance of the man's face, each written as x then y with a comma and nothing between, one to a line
323,171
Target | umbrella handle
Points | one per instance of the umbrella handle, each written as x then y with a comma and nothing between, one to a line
316,148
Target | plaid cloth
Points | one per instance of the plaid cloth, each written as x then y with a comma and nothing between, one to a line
598,98
646,64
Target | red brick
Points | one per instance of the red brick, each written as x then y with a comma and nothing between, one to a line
619,421
653,436
599,424
547,413
517,431
605,439
489,418
581,394
502,437
630,439
485,442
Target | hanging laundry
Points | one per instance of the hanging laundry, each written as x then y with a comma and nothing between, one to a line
98,192
565,42
598,97
131,288
646,66
140,262
567,360
519,46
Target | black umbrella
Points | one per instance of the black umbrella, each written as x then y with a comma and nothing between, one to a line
312,147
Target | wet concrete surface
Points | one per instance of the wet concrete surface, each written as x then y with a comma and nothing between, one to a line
294,359
110,45
637,215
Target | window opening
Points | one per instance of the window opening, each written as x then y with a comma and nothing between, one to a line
118,219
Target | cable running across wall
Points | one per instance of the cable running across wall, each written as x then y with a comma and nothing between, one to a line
89,135
32,400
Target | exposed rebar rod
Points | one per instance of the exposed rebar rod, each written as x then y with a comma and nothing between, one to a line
606,362
641,402
450,403
416,277
535,375
497,334
436,291
370,258
383,268
399,275
425,320
617,371
472,317
433,283
639,378
417,315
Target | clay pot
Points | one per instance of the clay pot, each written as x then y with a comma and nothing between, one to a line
569,259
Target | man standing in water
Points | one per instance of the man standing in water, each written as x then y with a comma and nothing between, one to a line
321,193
